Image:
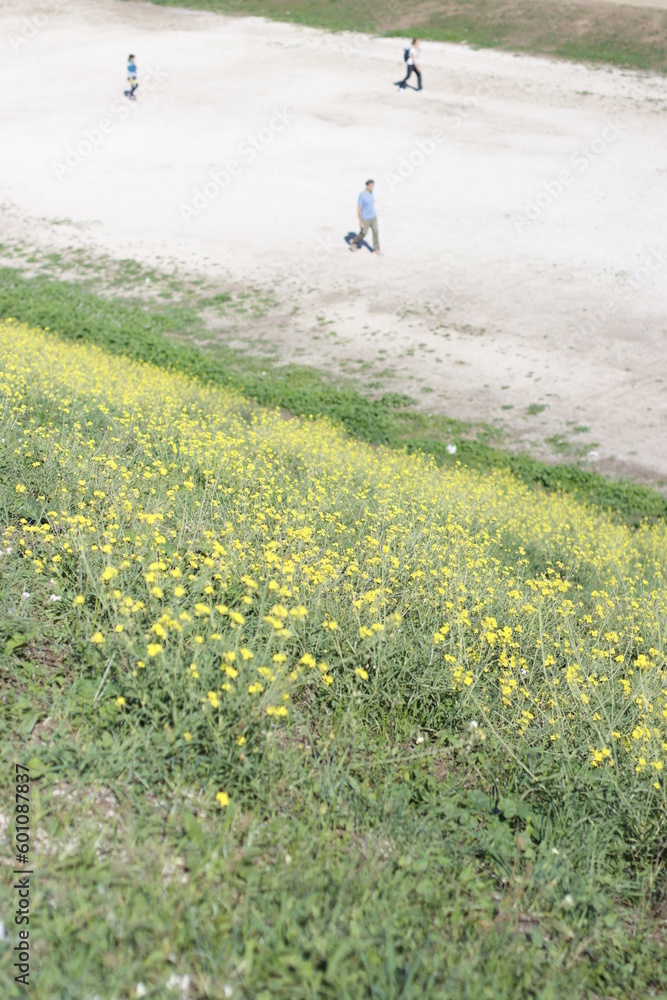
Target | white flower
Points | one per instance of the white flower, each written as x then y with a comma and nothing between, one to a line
180,983
451,449
25,595
54,598
474,724
420,739
141,990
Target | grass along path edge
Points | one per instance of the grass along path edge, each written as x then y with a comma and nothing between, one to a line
583,31
163,335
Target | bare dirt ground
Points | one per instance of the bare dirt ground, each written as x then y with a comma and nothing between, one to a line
652,4
521,203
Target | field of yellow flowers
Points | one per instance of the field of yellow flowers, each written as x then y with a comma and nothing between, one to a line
216,573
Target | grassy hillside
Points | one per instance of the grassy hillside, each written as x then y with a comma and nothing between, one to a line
165,335
306,718
584,31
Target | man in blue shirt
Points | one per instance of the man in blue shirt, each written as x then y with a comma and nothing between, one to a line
131,78
367,218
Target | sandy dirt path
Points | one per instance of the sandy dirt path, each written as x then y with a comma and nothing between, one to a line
650,4
522,203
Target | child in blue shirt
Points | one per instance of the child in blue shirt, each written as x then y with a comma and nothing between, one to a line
131,78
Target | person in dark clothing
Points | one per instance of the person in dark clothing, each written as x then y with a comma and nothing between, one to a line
413,65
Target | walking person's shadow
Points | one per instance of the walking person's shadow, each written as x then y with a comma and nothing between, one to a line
350,236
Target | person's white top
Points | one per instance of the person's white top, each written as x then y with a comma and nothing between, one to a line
414,55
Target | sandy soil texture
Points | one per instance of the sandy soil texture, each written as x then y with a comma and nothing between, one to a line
521,203
653,4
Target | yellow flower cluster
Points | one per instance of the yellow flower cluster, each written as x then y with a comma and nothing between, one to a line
206,530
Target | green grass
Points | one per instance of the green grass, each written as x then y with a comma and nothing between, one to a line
163,334
377,849
360,865
588,32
